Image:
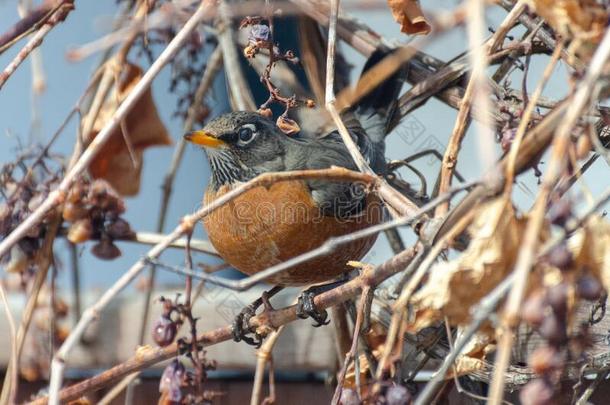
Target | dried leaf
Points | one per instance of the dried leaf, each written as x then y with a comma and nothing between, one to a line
287,125
465,365
590,247
80,401
455,286
583,21
143,128
409,15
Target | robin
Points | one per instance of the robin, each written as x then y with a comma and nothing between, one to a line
267,226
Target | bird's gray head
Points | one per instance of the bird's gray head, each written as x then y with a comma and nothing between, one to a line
240,145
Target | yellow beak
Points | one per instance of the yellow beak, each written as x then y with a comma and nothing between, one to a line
204,139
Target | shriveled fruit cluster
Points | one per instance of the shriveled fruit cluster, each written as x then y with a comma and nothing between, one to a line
548,311
94,210
21,193
165,327
179,385
261,37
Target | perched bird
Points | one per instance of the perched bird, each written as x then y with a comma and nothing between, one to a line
267,226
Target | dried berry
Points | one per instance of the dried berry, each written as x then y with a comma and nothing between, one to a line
36,201
309,103
553,329
259,33
583,146
250,51
560,211
80,231
398,395
534,308
18,263
560,257
545,359
5,218
164,331
72,212
537,392
77,193
265,112
287,125
557,298
119,229
349,397
508,136
106,250
589,288
172,379
102,195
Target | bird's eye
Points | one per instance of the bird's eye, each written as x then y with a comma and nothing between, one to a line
245,134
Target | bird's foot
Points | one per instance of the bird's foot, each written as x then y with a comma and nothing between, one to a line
307,309
241,328
241,324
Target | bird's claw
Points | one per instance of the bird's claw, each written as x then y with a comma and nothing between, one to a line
307,309
241,328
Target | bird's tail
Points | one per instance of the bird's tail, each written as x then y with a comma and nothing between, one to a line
375,110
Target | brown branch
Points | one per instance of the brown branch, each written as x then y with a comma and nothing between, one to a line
351,354
187,224
12,372
273,319
240,94
263,356
44,258
58,16
585,94
28,24
56,196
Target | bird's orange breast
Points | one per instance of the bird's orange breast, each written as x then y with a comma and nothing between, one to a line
267,226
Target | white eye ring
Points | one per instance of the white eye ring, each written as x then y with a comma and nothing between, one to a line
246,133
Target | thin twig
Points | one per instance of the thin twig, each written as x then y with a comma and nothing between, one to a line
212,68
274,319
14,373
601,377
351,354
586,92
241,95
477,93
187,224
59,15
263,356
43,260
326,248
525,118
58,195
